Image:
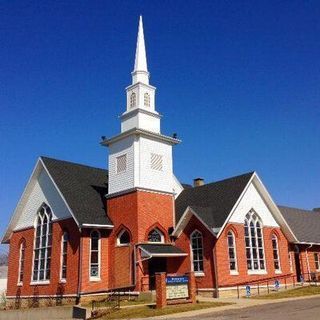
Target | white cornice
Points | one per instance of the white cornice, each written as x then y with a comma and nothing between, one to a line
140,132
133,112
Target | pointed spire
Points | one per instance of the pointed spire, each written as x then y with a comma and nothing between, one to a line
140,72
140,63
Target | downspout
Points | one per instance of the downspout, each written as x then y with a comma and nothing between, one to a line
215,270
308,264
79,267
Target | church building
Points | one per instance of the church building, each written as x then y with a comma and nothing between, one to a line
80,231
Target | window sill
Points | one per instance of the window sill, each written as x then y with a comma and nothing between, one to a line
234,273
253,272
62,281
39,283
278,272
19,284
123,245
199,274
95,279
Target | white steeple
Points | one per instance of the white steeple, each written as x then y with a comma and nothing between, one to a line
140,112
140,72
140,156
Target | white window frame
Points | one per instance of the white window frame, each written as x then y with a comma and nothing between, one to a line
22,251
253,217
198,273
146,99
63,240
133,100
48,215
98,276
276,249
159,232
119,244
234,249
316,261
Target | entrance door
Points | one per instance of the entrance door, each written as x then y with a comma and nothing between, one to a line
297,263
156,265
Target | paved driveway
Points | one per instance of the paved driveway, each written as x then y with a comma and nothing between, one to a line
306,309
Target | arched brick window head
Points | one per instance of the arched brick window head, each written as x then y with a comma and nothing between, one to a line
155,235
42,245
254,242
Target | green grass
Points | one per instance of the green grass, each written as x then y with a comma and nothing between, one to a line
151,311
291,293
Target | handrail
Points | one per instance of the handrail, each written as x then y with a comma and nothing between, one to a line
311,277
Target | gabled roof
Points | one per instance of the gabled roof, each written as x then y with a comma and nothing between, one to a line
83,188
305,224
214,201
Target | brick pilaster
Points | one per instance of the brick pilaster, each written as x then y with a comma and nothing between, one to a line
192,287
161,293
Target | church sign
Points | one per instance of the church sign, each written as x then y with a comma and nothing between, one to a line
177,287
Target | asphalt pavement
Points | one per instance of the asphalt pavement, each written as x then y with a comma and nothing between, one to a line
302,309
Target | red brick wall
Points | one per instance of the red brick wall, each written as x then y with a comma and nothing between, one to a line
224,277
138,212
88,285
54,288
306,258
183,242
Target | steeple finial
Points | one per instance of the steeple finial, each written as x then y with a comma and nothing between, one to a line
140,72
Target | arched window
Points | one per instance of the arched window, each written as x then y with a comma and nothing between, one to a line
95,255
275,249
64,254
42,245
22,251
155,235
123,238
146,100
254,242
197,251
232,251
133,100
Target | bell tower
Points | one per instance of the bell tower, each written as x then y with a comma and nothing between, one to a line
140,157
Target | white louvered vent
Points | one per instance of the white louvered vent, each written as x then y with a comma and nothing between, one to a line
122,163
156,161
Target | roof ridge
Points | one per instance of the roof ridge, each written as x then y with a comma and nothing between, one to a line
295,208
223,180
73,163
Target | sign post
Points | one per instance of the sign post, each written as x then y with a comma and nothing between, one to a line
277,285
248,291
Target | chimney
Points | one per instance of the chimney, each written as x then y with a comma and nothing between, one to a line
197,182
316,209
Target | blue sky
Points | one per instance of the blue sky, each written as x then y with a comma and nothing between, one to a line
237,80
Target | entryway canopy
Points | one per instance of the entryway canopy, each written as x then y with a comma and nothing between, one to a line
149,250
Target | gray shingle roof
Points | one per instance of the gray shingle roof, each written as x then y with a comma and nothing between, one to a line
305,224
162,249
214,201
83,188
